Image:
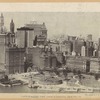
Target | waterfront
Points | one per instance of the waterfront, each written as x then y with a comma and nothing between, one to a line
20,89
26,89
32,63
65,87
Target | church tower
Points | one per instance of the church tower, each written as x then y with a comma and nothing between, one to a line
12,26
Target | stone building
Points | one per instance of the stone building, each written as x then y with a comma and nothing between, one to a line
78,63
89,37
77,45
83,51
40,31
15,60
2,50
42,59
94,65
24,37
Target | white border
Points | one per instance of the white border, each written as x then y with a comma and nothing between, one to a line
50,7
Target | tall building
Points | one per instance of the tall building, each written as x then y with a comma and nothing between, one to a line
77,45
95,53
90,51
1,20
89,48
99,47
2,50
71,38
68,45
96,46
83,51
99,43
12,26
1,23
39,29
14,60
25,37
10,36
31,35
89,37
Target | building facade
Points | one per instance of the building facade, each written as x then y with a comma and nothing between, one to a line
15,60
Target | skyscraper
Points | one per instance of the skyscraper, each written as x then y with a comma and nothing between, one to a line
1,20
99,43
83,51
12,26
1,23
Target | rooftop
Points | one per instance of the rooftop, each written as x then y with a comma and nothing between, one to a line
25,28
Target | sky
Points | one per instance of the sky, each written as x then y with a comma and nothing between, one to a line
58,23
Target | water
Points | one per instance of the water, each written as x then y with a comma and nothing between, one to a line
20,89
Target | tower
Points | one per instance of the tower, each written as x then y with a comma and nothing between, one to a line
1,20
1,23
12,26
83,51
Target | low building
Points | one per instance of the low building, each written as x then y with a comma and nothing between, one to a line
42,59
78,63
94,65
54,45
41,40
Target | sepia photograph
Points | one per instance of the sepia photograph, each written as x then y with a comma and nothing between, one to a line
50,51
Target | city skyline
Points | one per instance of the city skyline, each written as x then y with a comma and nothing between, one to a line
59,23
29,60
